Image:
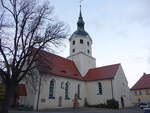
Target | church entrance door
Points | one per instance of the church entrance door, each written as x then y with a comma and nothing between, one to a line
60,101
122,102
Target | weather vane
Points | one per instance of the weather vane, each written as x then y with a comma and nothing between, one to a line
81,3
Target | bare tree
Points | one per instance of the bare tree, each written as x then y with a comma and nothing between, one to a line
29,25
1,21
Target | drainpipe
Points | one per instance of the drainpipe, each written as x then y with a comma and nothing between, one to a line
39,91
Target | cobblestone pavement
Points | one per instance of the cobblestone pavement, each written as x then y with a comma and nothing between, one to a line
87,110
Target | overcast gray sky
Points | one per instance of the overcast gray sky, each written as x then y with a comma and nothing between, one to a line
120,30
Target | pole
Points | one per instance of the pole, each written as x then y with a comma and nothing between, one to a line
39,91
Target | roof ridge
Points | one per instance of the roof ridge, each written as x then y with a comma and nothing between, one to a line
146,75
55,55
104,72
105,66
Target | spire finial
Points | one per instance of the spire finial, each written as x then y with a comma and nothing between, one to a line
81,2
80,23
80,8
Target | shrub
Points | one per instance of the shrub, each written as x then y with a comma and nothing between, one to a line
112,103
86,104
102,106
1,97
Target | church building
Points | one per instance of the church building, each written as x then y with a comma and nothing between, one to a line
62,80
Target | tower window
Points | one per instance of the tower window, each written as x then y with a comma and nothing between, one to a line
81,41
88,44
73,50
88,51
73,42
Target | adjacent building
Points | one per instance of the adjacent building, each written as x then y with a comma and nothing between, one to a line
141,90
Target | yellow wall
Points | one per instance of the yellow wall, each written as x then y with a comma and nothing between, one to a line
141,95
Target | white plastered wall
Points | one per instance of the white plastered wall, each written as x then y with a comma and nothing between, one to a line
92,92
54,103
88,90
80,47
83,62
121,89
32,93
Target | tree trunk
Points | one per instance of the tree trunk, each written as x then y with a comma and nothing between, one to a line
9,93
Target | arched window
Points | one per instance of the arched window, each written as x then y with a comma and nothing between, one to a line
51,89
78,94
100,92
67,90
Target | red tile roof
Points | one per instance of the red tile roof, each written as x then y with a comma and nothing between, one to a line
105,72
21,90
142,83
53,64
59,66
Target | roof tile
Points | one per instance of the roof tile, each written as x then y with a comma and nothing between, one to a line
59,66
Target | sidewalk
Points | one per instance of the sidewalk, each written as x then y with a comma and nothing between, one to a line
81,109
70,109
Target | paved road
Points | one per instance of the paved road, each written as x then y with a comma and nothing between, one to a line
86,111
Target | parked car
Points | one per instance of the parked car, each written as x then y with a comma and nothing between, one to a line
143,105
146,110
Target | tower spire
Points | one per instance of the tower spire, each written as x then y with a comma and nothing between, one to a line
80,23
80,15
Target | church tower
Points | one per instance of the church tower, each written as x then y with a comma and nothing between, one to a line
81,48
